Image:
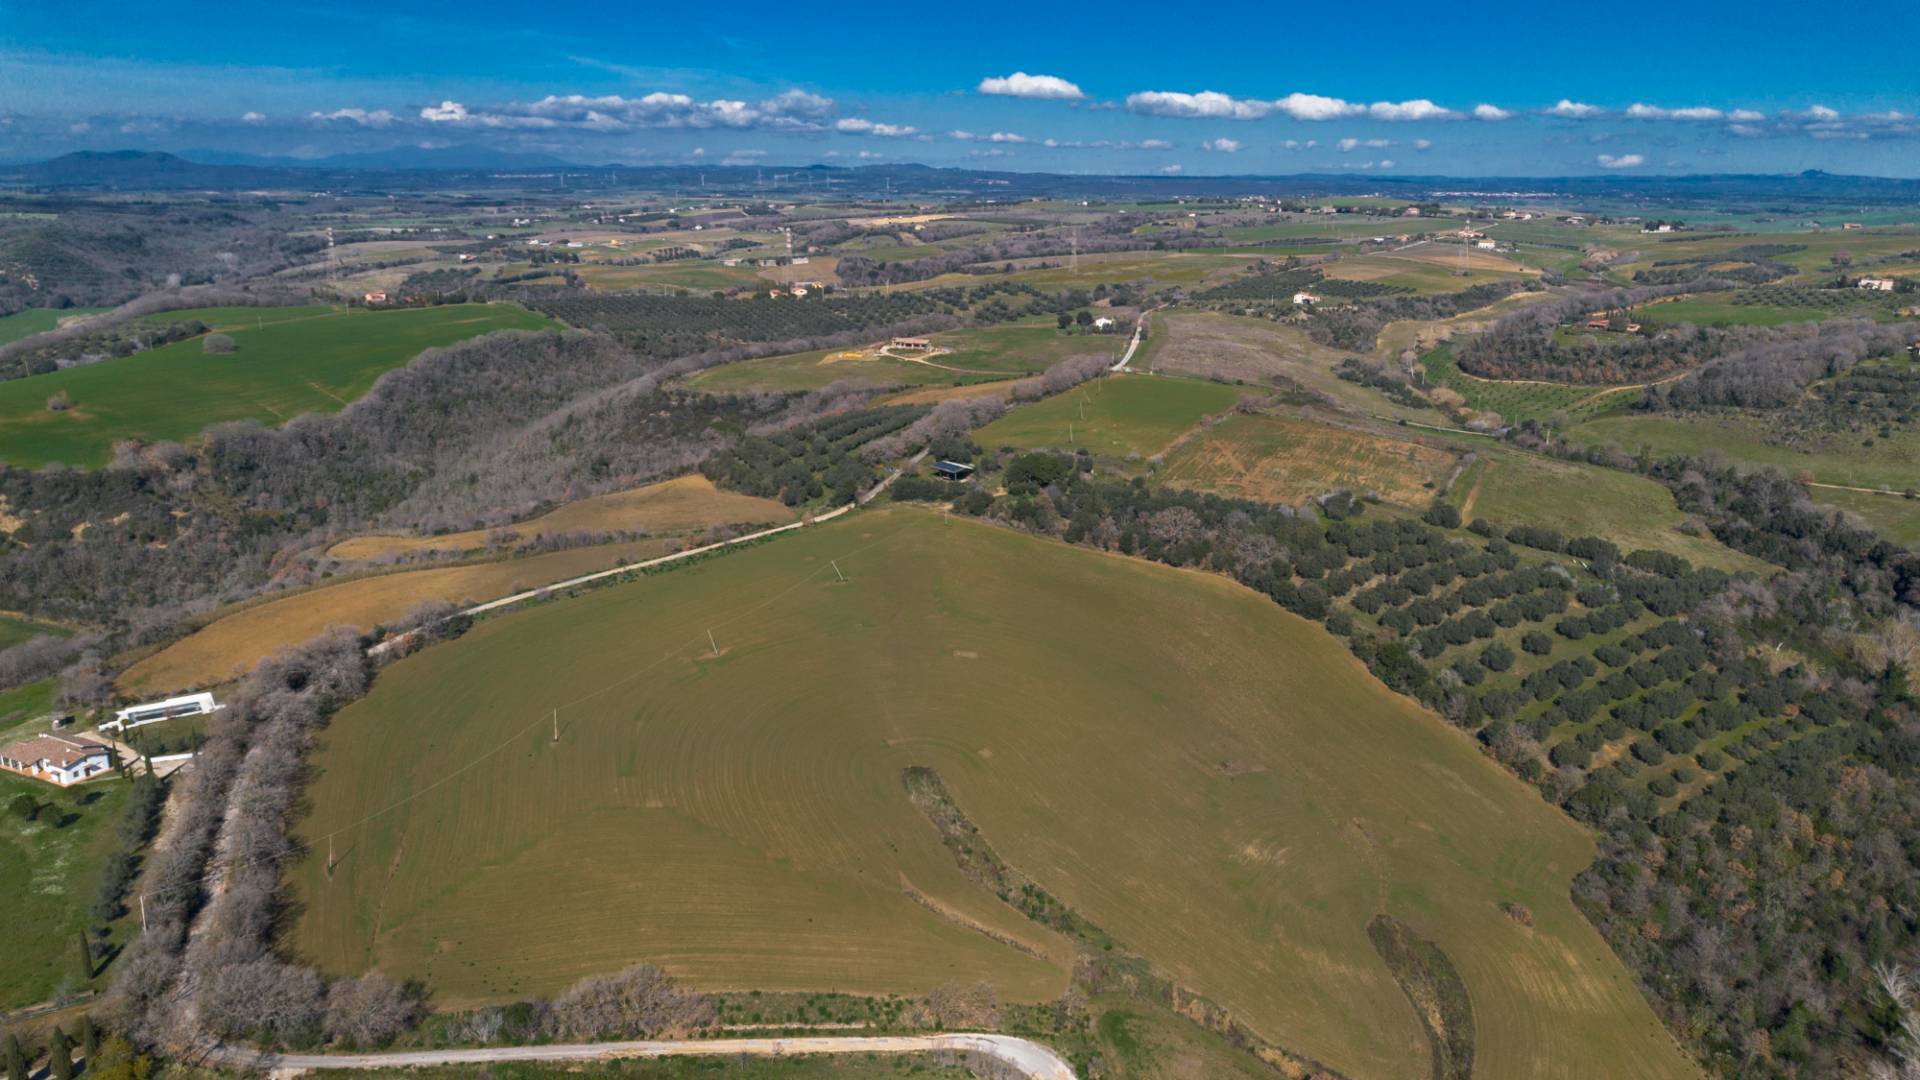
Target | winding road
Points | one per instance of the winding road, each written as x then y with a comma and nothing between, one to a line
1032,1059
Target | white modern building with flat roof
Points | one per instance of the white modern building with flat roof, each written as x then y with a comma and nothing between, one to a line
153,712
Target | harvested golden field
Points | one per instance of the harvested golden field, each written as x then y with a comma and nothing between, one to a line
1289,460
682,504
229,646
1216,783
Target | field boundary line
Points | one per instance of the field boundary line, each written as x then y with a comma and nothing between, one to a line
1036,1061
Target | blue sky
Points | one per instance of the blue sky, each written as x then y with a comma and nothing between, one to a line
1506,89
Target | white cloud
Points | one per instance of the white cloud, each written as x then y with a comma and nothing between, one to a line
1316,107
1417,109
1746,131
1022,85
80,127
1347,146
1821,112
859,125
795,110
990,152
1574,110
1207,104
996,136
252,117
1386,163
1213,105
1624,161
1224,146
1640,111
1423,144
1106,144
1484,111
1170,169
1746,116
363,117
1148,144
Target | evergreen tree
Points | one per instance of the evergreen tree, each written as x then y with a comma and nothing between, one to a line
89,1038
84,954
16,1059
60,1056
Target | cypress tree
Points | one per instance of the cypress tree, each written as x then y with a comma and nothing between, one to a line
89,1037
85,954
16,1059
60,1056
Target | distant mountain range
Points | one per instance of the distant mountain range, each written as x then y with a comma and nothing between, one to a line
413,169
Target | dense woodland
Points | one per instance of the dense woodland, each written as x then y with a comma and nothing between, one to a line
99,254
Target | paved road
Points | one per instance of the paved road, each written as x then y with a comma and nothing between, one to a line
1032,1059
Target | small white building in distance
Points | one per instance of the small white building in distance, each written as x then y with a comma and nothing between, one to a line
1487,245
1103,323
155,711
375,298
1878,284
1304,298
57,759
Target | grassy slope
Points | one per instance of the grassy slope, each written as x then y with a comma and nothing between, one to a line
1118,416
1286,459
35,321
1214,781
985,353
1736,438
14,630
49,870
1513,488
280,371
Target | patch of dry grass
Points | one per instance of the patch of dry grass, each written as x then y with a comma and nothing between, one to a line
682,504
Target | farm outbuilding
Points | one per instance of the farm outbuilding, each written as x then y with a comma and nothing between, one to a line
916,343
952,470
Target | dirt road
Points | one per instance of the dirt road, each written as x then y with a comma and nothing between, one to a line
1031,1058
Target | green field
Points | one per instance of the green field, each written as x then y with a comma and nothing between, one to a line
1116,416
49,869
14,630
1744,439
1517,400
36,321
1892,516
279,371
225,319
980,354
1216,783
1512,488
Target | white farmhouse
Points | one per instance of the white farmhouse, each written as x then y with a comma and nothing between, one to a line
57,759
1877,284
1305,298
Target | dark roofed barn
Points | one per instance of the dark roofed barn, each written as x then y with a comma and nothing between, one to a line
952,470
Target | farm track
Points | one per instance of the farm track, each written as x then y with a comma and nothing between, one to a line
601,575
1028,1058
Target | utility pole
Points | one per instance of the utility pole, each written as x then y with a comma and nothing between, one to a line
143,913
715,644
556,725
836,570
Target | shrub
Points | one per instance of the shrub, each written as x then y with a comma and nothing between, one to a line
1536,643
217,343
